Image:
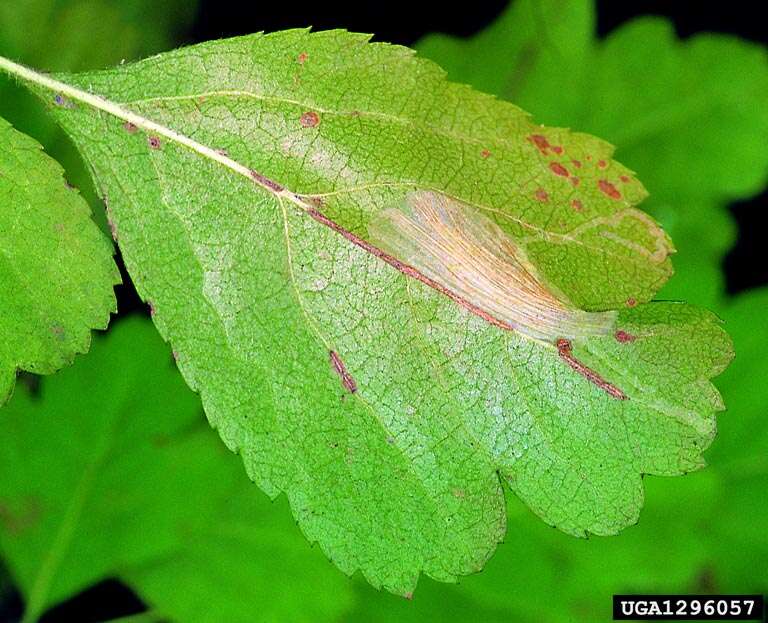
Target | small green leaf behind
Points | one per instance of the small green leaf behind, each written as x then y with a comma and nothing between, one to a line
112,470
56,267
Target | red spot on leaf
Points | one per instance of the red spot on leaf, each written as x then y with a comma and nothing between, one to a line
485,153
318,202
558,169
575,181
541,195
129,127
602,164
541,142
608,189
576,163
577,205
589,158
310,119
624,178
154,142
557,149
563,345
302,58
624,337
631,302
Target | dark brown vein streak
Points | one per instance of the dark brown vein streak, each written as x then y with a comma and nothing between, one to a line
565,352
346,378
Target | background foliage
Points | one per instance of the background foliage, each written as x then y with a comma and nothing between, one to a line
688,116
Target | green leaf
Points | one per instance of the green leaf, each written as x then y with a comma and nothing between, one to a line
568,580
63,35
112,470
739,527
250,564
267,192
56,268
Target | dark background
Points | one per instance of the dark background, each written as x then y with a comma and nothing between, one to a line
404,22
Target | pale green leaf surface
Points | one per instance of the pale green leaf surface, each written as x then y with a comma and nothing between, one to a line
401,476
56,268
712,529
689,123
112,470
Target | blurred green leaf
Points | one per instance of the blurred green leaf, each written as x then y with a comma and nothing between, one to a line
56,268
112,470
739,527
74,35
88,34
687,116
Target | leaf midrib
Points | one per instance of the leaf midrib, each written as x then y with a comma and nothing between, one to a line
117,110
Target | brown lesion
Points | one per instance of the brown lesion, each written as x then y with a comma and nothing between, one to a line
339,368
406,269
18,520
454,245
624,337
565,350
265,181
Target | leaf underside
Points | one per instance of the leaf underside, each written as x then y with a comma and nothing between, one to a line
387,413
56,268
